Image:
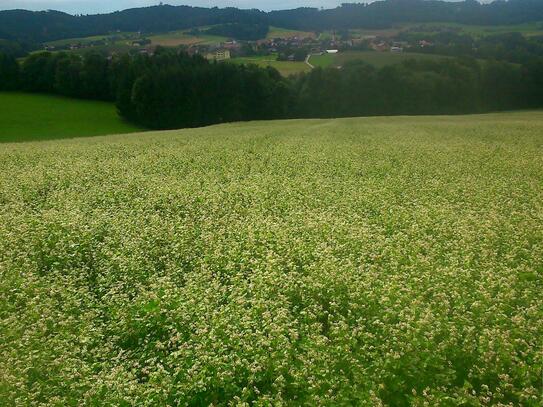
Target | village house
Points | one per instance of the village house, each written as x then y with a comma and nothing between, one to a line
231,45
219,55
379,46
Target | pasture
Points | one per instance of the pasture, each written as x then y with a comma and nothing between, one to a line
25,117
365,261
277,32
82,40
286,68
377,59
323,60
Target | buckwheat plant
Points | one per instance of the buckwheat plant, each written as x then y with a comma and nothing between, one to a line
371,262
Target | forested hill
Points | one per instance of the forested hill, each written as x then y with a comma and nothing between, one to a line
382,14
51,25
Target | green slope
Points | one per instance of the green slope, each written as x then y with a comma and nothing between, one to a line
285,68
25,117
367,261
377,59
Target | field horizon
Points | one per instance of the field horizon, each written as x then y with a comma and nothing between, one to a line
53,117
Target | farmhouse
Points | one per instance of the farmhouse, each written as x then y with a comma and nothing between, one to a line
379,46
219,55
231,45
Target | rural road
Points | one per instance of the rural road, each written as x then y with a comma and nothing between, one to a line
307,61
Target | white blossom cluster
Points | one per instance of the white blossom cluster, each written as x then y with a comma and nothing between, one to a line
371,262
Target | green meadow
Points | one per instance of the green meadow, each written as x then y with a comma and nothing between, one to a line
323,60
82,40
286,68
278,32
177,38
377,59
388,261
26,116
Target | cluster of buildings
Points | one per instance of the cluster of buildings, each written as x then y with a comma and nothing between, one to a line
293,48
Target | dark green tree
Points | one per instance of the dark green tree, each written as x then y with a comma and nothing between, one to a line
9,73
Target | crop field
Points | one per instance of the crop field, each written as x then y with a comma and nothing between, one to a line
366,261
176,38
25,117
277,32
121,42
286,68
377,59
527,29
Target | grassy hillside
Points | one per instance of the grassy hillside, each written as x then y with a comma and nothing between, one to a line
277,32
376,261
26,117
377,59
83,40
286,68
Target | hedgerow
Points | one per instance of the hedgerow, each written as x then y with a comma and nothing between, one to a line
391,261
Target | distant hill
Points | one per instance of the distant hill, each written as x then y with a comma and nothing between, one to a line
52,25
382,14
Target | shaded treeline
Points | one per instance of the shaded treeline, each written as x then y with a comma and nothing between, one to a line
512,47
448,86
166,90
173,90
43,26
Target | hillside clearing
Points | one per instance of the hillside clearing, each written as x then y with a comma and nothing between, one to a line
277,32
368,261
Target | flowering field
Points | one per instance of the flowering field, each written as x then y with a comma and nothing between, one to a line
379,261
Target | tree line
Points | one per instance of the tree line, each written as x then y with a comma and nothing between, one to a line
445,86
512,47
172,89
239,31
42,26
386,13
